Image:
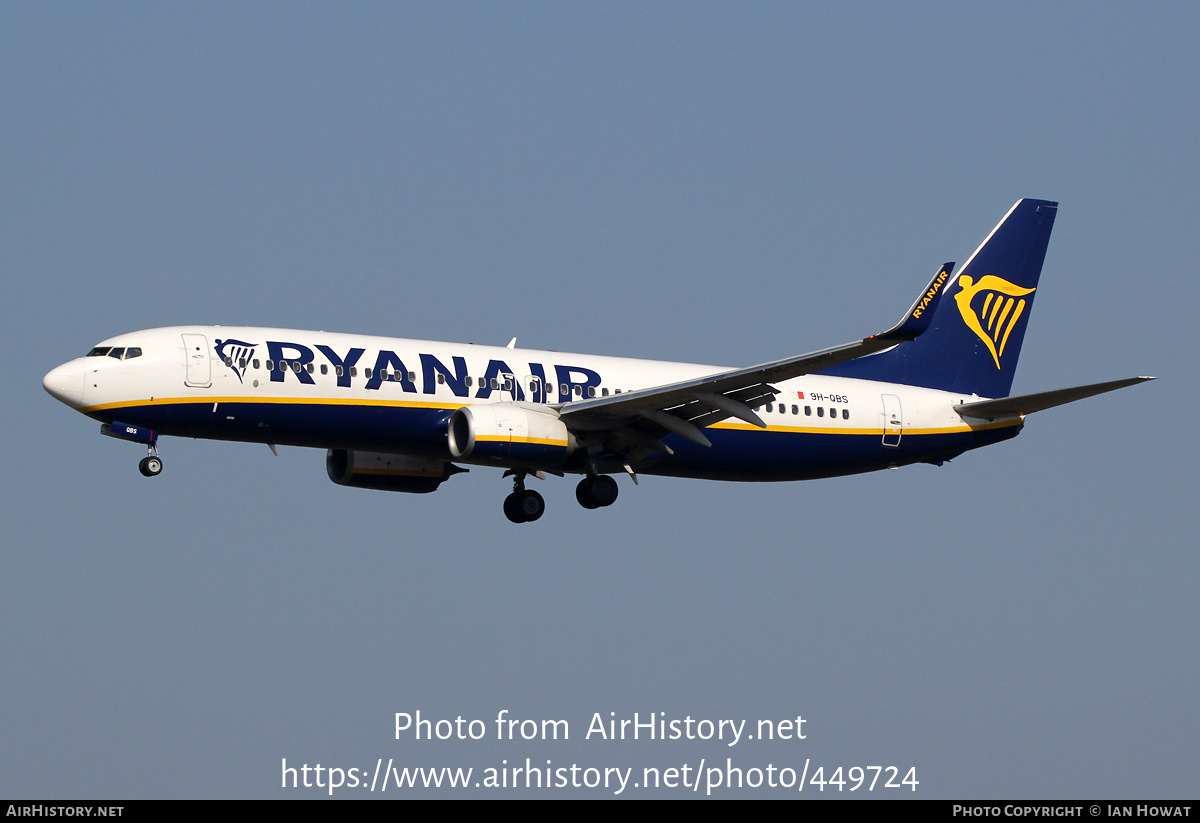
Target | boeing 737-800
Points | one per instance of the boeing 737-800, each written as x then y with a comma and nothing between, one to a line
405,415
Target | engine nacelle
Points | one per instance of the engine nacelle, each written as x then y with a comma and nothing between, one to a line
387,472
509,433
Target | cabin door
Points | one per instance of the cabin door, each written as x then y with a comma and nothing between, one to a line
197,360
893,425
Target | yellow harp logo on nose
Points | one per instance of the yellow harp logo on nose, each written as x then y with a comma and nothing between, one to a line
995,318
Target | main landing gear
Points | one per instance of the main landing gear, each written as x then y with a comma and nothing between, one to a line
596,491
151,465
523,505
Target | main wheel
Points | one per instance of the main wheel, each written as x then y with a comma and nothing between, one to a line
531,505
151,466
512,508
596,492
604,490
583,493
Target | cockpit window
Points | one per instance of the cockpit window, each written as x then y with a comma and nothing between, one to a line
119,352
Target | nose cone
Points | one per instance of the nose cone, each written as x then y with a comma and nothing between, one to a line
65,384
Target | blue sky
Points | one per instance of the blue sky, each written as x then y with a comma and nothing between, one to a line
701,182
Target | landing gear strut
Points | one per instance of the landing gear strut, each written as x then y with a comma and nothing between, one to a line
596,491
151,465
523,505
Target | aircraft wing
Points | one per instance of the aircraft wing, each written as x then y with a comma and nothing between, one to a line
1023,404
689,405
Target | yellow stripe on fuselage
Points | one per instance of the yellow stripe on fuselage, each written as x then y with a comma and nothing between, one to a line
739,426
420,404
305,401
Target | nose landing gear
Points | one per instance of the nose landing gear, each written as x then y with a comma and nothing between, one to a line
151,465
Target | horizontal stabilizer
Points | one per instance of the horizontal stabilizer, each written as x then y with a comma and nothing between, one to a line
1023,404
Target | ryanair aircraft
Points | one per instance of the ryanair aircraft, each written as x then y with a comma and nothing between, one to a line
406,415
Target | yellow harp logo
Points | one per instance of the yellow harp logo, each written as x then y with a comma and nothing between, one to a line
994,320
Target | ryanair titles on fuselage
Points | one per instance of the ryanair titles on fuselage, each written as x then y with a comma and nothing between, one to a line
285,357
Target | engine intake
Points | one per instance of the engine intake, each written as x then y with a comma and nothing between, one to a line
509,433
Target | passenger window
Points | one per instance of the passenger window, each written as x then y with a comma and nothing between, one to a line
770,407
296,366
820,411
468,381
412,375
441,379
591,391
808,411
354,371
324,369
132,352
495,384
367,372
310,368
99,351
256,364
606,392
845,414
229,362
579,391
241,362
616,391
116,353
795,409
338,371
563,390
833,412
508,384
270,366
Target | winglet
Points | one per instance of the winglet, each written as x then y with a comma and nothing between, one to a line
920,314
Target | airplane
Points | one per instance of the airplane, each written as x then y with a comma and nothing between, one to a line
405,415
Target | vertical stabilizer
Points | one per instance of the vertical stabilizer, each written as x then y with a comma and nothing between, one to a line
976,332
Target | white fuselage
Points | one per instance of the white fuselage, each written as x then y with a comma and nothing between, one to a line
327,390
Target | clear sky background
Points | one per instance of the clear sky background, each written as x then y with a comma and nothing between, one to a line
703,182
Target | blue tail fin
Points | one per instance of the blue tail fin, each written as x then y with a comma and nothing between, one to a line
975,338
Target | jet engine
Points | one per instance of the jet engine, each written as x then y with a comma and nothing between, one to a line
387,472
507,433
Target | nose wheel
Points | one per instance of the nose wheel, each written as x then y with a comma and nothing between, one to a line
151,465
523,505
